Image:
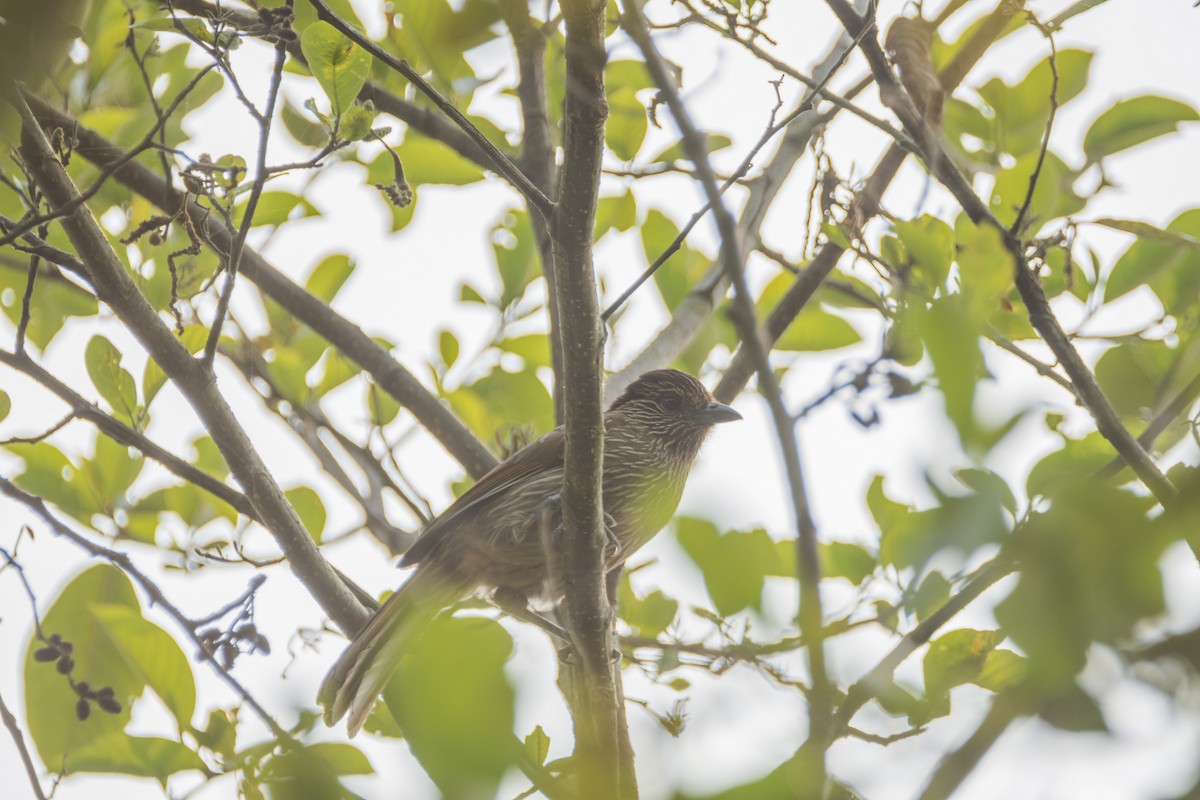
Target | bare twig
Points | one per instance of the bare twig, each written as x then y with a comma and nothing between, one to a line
193,379
14,730
1019,223
810,615
234,258
356,345
498,161
152,590
1040,314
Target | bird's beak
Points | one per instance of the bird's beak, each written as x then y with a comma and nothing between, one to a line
715,413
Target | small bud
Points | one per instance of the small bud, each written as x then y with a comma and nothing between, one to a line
82,689
82,709
109,704
45,654
65,665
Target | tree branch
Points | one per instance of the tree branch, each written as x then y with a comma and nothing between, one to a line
694,311
1040,314
866,204
116,288
732,257
14,730
357,346
497,160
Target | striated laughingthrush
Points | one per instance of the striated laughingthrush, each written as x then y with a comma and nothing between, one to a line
492,537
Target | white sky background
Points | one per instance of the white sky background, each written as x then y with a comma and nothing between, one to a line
741,725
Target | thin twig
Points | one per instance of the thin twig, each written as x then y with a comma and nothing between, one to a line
1019,222
14,730
810,614
152,590
500,162
256,190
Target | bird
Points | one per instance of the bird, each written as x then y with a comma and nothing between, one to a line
493,537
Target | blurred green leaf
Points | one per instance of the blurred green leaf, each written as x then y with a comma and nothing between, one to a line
537,745
1171,271
735,564
1089,572
5,404
455,704
930,244
712,141
846,560
679,273
627,124
309,508
153,655
276,208
617,212
953,659
648,616
328,277
1128,123
53,303
448,348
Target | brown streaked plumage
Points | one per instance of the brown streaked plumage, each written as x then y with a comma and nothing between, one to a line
490,538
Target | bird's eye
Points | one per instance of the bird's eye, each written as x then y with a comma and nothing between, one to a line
672,402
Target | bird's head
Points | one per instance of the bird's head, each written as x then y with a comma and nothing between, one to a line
673,401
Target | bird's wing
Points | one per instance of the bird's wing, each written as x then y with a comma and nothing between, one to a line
540,456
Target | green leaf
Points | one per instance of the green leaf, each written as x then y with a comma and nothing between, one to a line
111,380
49,701
986,482
144,756
308,506
627,124
501,399
951,336
648,616
357,122
1131,122
815,329
50,475
1170,269
679,273
1003,670
1090,572
339,65
448,348
953,659
5,404
930,244
1053,197
534,348
155,657
328,277
515,248
1144,230
537,745
303,129
426,161
846,560
53,303
735,564
618,212
713,142
276,208
455,705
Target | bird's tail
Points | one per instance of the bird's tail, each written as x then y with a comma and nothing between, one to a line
360,674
